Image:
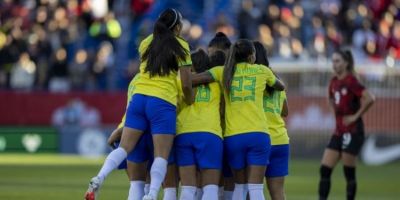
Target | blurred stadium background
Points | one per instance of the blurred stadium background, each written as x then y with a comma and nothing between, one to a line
65,67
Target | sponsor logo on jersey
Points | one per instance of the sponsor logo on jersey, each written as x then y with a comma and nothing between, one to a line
344,91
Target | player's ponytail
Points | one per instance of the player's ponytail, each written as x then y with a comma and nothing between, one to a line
239,52
164,51
230,67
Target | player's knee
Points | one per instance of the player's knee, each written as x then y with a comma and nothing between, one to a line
325,171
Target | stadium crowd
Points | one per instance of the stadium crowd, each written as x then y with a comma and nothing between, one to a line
61,45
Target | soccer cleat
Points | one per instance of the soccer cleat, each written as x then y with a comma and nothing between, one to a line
148,197
89,196
92,191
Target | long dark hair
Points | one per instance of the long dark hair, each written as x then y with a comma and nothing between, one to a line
164,51
200,61
239,52
261,54
262,59
348,57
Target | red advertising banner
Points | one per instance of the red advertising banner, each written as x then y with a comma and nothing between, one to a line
43,108
39,108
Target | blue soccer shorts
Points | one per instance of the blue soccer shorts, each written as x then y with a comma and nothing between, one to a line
278,161
202,149
247,149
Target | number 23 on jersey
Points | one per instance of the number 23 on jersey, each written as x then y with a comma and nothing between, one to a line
243,89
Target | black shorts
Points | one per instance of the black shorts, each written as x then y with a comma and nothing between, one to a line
348,142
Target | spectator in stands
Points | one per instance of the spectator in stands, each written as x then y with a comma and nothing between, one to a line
102,65
361,37
23,73
58,76
79,70
107,28
290,29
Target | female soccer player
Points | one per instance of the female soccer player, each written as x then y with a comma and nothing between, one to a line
138,158
275,107
349,100
246,140
198,143
153,106
217,49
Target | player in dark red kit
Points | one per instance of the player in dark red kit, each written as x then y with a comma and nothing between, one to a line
349,100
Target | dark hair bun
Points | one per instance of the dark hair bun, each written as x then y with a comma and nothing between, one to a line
220,34
220,41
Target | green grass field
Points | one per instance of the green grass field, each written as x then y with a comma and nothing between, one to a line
49,177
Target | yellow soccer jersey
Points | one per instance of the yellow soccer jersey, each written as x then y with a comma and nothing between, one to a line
163,87
276,125
131,90
244,105
203,115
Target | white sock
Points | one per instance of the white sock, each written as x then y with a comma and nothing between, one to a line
157,175
238,192
256,191
169,194
210,192
112,161
199,193
146,188
228,195
188,193
136,191
221,193
245,191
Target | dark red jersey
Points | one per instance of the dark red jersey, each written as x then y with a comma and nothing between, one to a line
345,95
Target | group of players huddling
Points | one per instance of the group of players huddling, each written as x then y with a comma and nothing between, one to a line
217,118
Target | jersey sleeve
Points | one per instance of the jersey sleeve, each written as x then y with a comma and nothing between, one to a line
144,44
356,87
216,73
187,62
270,77
122,123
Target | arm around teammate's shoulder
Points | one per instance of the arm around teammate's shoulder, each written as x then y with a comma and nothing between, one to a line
186,80
202,78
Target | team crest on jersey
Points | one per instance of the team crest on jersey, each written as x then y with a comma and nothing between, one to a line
344,91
